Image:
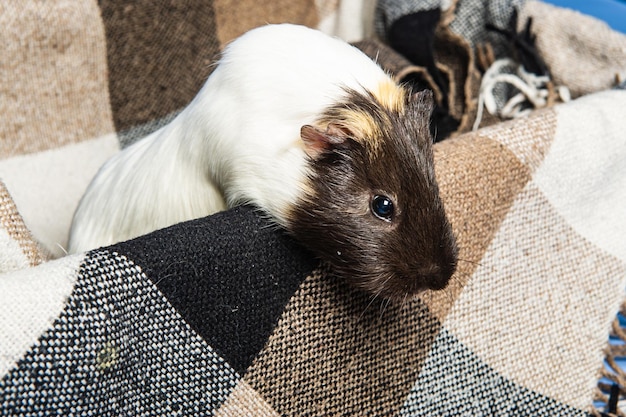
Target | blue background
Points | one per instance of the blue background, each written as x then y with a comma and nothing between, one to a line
612,12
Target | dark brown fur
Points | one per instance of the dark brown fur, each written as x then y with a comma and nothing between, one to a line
414,251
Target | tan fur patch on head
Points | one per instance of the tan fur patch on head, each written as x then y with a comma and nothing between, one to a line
367,116
390,95
360,124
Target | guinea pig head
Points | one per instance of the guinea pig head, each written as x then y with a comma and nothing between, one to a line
371,205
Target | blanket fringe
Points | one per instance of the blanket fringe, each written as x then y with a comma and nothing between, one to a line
534,91
611,389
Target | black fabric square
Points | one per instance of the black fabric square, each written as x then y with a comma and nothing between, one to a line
229,275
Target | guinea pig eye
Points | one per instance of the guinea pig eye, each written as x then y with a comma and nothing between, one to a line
382,207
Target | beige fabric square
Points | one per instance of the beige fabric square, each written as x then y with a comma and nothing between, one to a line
478,179
244,401
529,138
541,302
53,77
47,186
584,174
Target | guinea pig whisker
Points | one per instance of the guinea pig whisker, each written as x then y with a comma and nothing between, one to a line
374,297
62,249
143,300
461,274
482,265
406,295
384,304
470,262
273,226
445,293
429,296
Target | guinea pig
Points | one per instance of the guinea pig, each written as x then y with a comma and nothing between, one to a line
312,132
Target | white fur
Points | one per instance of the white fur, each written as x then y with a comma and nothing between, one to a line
240,135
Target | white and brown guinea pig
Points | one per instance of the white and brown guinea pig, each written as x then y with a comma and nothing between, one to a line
313,132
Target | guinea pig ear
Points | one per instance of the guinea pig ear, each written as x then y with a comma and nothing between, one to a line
424,101
317,141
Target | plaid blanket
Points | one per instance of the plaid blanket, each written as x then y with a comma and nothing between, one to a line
228,316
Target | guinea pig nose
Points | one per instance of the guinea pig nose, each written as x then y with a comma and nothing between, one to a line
434,278
437,282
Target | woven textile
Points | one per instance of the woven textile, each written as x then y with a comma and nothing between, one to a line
116,348
19,248
227,315
568,36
